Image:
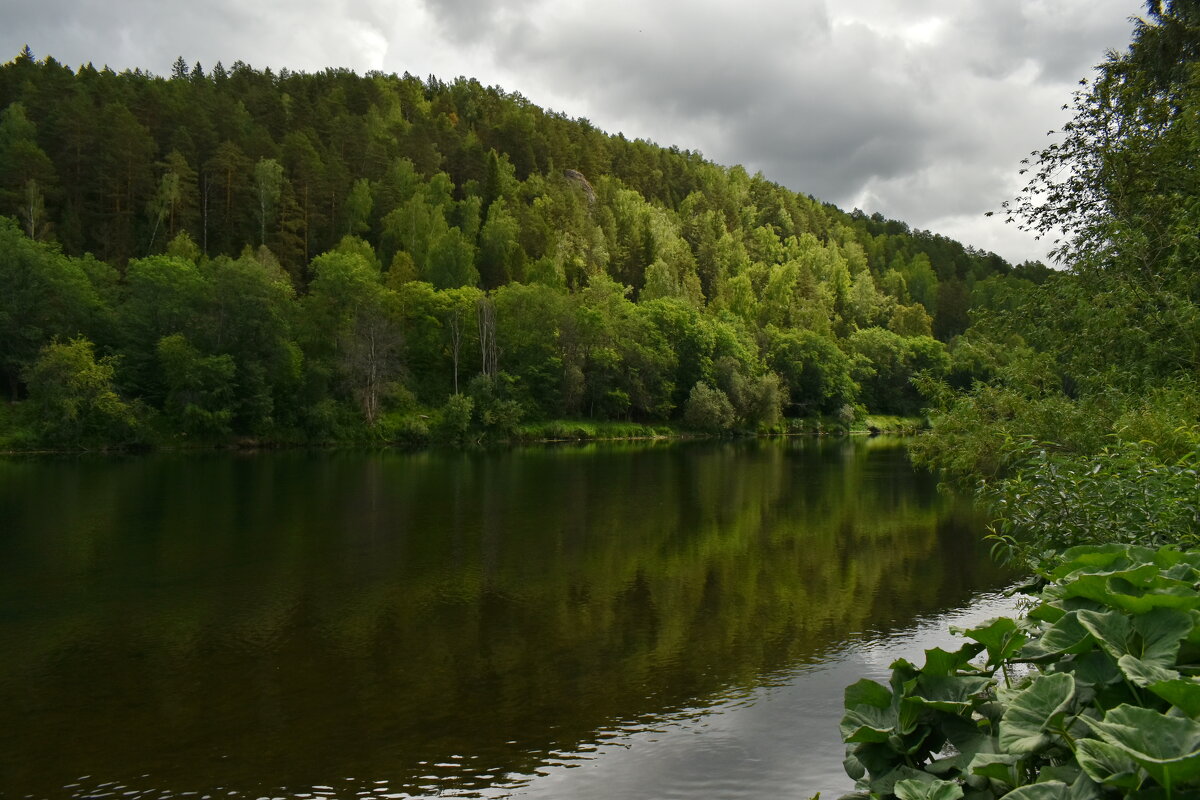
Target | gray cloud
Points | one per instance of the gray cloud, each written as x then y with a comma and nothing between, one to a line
151,34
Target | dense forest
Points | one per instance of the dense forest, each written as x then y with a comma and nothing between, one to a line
235,253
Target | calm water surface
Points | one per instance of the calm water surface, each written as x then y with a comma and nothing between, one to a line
607,621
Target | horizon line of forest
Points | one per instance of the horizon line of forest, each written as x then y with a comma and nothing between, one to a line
330,256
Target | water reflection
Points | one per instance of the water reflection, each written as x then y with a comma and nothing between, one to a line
446,623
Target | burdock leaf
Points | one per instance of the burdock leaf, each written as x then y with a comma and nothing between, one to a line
1183,693
1166,747
1024,728
1106,764
916,789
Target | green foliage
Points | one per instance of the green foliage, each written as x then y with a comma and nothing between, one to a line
1121,494
708,409
73,400
43,295
199,388
498,411
454,420
1115,338
887,363
986,432
1092,694
816,371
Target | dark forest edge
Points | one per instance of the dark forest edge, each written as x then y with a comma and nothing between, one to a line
1085,444
243,256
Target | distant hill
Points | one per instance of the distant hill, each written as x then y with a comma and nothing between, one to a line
451,185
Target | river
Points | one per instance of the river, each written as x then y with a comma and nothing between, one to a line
646,620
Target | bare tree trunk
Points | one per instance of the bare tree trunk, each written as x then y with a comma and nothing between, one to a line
204,215
307,258
371,395
455,342
489,354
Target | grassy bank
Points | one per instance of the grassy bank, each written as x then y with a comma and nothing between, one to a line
439,427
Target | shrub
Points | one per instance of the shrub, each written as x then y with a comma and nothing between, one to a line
405,429
1122,494
72,396
454,422
708,409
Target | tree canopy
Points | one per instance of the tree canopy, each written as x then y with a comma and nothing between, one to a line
309,255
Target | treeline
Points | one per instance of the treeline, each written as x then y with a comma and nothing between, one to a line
238,252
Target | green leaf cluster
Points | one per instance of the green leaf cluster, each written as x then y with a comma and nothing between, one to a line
1093,693
1121,494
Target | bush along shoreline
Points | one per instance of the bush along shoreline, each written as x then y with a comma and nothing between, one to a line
1091,693
461,426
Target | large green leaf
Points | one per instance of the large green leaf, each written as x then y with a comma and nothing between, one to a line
1002,638
1051,790
942,662
1166,747
1034,711
1153,637
1178,564
865,723
1093,558
877,758
1144,673
853,766
1000,767
1160,633
948,692
1193,636
903,671
1084,788
867,693
1107,764
1183,693
1136,591
1097,584
1066,635
914,741
968,740
1182,571
1064,773
917,789
1046,612
1096,668
885,784
1111,629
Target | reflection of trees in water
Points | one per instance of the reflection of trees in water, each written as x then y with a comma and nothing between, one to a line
360,610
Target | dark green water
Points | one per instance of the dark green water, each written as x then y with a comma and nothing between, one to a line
604,621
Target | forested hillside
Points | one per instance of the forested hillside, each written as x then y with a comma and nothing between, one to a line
235,252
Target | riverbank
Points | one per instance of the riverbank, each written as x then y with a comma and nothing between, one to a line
418,431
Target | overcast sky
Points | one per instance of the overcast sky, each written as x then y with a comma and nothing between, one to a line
920,110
